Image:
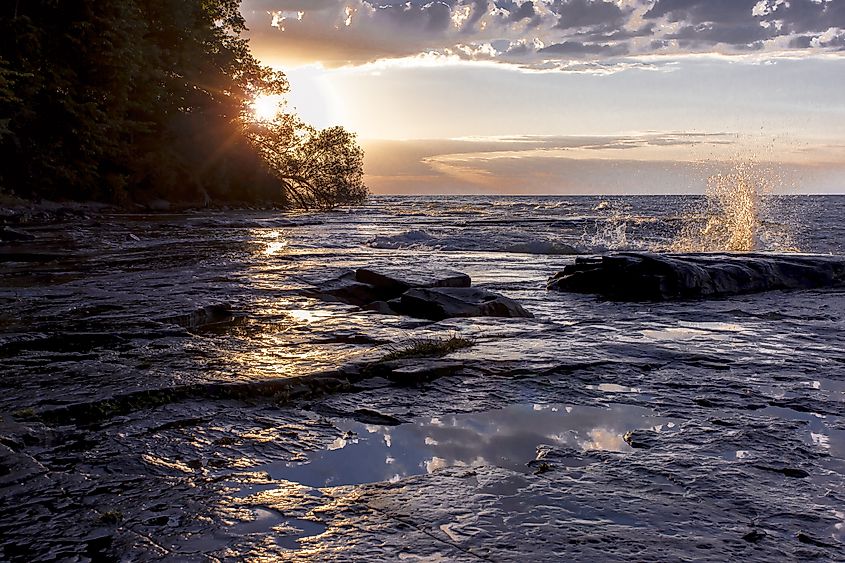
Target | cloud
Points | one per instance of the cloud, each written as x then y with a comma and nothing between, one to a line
540,34
576,48
668,162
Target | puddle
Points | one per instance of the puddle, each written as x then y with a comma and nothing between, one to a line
506,438
818,433
286,531
834,388
299,529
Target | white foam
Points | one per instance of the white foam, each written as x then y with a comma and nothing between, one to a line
410,239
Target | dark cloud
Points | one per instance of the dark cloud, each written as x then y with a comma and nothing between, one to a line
696,11
519,12
588,13
431,17
734,34
537,33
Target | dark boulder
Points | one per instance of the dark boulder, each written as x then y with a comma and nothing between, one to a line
642,276
346,290
433,296
352,293
443,303
397,282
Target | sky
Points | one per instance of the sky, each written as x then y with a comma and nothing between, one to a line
568,96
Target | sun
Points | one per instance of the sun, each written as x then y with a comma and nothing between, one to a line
265,108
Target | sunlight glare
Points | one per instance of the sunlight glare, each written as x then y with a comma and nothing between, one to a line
265,108
314,96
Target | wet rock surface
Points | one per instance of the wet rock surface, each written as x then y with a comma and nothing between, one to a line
132,429
8,234
629,276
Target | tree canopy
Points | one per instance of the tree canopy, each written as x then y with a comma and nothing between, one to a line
133,100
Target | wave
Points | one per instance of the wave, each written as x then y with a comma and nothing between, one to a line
517,243
408,240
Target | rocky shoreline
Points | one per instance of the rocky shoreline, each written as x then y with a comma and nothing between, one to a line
176,390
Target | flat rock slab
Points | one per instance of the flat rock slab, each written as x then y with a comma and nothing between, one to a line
444,303
643,276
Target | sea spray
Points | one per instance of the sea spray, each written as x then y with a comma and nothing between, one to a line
735,217
608,233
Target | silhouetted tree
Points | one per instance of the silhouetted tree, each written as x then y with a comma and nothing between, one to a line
318,169
135,99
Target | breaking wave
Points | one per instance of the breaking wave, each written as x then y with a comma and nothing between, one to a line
738,215
606,237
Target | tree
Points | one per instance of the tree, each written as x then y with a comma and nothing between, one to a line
132,100
318,169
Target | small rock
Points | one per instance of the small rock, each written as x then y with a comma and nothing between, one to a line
373,289
443,303
754,536
381,307
641,439
368,416
397,282
810,540
346,290
791,472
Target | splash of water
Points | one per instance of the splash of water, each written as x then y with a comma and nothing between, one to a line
733,220
611,234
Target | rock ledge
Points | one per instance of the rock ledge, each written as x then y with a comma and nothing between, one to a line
643,276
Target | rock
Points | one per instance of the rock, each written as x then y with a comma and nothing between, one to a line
432,296
792,472
346,290
353,293
8,234
754,536
372,289
381,307
642,276
369,416
396,282
443,303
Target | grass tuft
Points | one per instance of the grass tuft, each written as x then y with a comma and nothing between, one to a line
427,347
111,517
25,414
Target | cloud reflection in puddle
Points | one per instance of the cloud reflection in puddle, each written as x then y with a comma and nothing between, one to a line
506,437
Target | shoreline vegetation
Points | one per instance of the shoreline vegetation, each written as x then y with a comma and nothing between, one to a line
149,104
